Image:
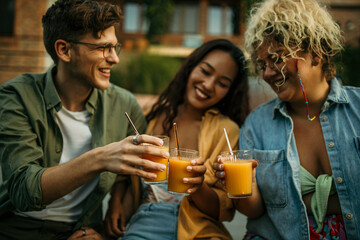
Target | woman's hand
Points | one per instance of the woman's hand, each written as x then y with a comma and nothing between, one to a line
197,167
114,223
219,168
120,209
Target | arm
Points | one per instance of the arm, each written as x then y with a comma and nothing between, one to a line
120,157
201,191
119,211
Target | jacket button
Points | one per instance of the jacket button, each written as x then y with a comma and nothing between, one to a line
331,144
324,118
58,150
349,216
339,180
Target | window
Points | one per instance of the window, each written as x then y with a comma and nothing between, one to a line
185,19
134,18
7,18
221,20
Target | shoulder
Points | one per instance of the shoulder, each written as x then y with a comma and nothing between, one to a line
263,113
213,123
25,86
23,81
216,120
352,92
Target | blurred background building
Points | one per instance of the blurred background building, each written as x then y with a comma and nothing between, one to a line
190,23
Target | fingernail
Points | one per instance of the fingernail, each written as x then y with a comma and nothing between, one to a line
193,162
153,175
218,159
166,154
188,168
163,167
161,142
185,180
189,191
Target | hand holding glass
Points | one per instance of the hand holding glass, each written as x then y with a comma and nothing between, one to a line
177,170
238,173
161,176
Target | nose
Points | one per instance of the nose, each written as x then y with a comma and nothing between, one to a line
209,83
268,72
113,57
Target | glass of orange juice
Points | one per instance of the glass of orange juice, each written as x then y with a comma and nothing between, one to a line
238,173
177,170
161,176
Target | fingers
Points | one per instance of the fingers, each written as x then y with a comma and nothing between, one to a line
85,233
146,139
218,166
219,169
255,163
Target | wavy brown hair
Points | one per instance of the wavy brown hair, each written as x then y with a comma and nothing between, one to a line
71,19
235,104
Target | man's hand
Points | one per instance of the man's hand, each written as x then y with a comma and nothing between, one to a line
86,233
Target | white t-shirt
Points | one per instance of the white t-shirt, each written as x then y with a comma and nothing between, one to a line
74,127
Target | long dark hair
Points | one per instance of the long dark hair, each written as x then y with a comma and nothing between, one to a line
235,104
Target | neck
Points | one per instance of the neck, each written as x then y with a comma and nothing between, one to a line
185,111
315,98
72,92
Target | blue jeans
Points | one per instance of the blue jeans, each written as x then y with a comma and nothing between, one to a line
154,221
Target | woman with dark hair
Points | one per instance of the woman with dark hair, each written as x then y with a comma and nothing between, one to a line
208,94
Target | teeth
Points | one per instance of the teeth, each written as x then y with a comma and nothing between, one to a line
200,93
105,70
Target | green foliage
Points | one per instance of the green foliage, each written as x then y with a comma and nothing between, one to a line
158,14
347,64
146,74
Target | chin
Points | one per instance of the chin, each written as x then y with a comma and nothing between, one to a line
103,85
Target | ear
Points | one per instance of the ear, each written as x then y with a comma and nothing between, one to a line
316,60
62,49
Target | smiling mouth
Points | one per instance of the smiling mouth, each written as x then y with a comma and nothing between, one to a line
279,83
104,70
201,94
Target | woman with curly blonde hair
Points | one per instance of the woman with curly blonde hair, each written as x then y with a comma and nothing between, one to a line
307,139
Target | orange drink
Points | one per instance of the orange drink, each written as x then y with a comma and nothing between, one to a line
238,173
161,176
177,170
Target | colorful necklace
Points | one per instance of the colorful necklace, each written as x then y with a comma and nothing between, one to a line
303,91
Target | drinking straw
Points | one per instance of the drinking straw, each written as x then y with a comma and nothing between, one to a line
132,124
176,140
228,142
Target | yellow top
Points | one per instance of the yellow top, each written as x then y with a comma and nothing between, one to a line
193,224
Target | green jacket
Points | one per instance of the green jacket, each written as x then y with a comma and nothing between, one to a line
31,141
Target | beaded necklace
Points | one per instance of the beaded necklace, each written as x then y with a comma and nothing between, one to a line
303,91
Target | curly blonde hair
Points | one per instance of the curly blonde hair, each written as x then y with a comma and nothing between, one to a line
298,25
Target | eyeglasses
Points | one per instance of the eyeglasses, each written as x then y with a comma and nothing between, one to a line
107,48
275,64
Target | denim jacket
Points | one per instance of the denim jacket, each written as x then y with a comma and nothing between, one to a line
268,131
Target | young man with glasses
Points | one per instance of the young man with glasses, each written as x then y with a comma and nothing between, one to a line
63,134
